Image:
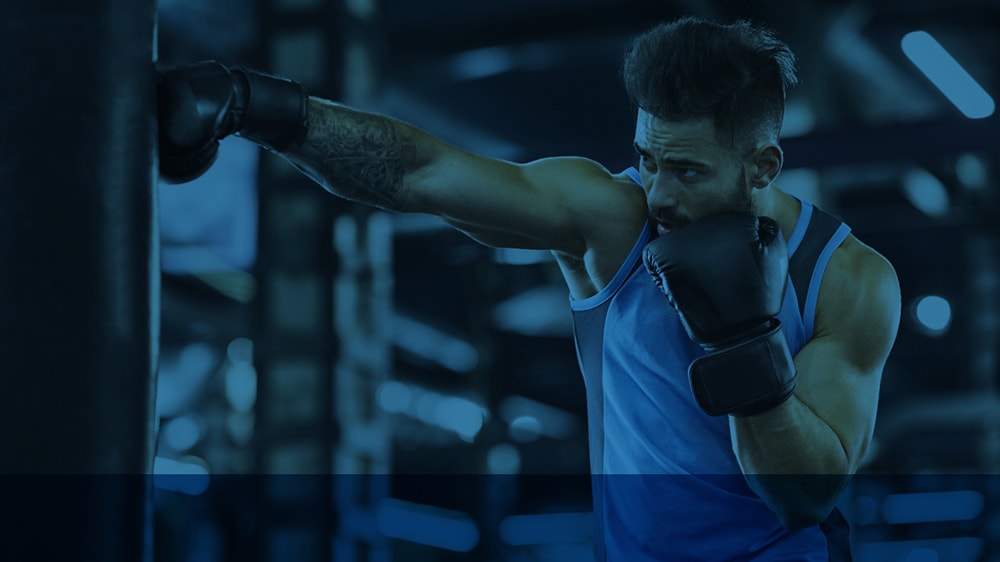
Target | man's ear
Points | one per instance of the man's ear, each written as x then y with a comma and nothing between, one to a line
765,165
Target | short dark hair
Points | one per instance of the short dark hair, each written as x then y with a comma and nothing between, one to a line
738,74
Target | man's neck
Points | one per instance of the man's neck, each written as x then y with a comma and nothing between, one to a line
783,208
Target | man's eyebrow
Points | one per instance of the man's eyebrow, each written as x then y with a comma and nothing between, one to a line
676,161
685,162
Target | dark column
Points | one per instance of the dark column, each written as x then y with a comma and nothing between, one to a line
78,278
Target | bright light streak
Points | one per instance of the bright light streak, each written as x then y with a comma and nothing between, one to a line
965,549
547,528
926,192
525,428
460,415
930,507
947,74
241,386
456,414
530,417
425,524
481,63
430,343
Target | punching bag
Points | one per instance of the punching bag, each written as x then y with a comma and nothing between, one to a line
79,279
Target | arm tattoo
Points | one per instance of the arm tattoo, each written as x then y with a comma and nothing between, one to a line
359,156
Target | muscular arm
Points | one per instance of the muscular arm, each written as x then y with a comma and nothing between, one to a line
360,156
798,456
378,160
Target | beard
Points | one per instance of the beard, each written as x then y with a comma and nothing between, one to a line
742,198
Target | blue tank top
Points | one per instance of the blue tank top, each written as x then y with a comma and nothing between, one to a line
666,483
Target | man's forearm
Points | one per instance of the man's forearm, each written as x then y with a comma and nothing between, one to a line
792,459
360,156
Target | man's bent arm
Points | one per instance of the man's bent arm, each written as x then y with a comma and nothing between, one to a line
799,455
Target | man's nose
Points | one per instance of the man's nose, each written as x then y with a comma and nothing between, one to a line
661,195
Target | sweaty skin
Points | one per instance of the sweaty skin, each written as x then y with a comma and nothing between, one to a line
590,218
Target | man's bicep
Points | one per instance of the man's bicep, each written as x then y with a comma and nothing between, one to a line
840,369
534,203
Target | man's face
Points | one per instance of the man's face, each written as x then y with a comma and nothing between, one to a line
686,173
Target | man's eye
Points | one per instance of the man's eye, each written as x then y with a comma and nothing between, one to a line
688,173
647,163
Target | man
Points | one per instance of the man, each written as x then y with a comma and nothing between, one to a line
725,418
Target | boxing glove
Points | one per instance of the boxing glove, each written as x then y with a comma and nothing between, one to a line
725,275
200,103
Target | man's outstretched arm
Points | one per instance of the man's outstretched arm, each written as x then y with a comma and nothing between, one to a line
379,160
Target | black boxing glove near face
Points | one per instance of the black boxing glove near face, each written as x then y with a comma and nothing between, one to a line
725,275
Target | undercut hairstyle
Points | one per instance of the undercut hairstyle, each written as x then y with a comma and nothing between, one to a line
738,74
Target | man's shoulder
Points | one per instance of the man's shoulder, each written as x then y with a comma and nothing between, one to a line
858,282
609,210
856,260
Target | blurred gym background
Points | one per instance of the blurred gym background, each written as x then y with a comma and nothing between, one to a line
302,335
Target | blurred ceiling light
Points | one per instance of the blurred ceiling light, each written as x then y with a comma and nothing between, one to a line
459,415
947,75
926,192
546,528
240,350
540,311
931,507
394,397
182,375
525,428
503,458
426,524
933,314
241,386
188,475
480,63
530,56
525,415
965,549
972,171
182,433
882,90
428,342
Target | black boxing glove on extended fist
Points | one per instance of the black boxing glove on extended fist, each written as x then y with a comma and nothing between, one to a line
725,275
199,104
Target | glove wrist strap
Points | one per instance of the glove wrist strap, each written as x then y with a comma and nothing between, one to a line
275,109
746,378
